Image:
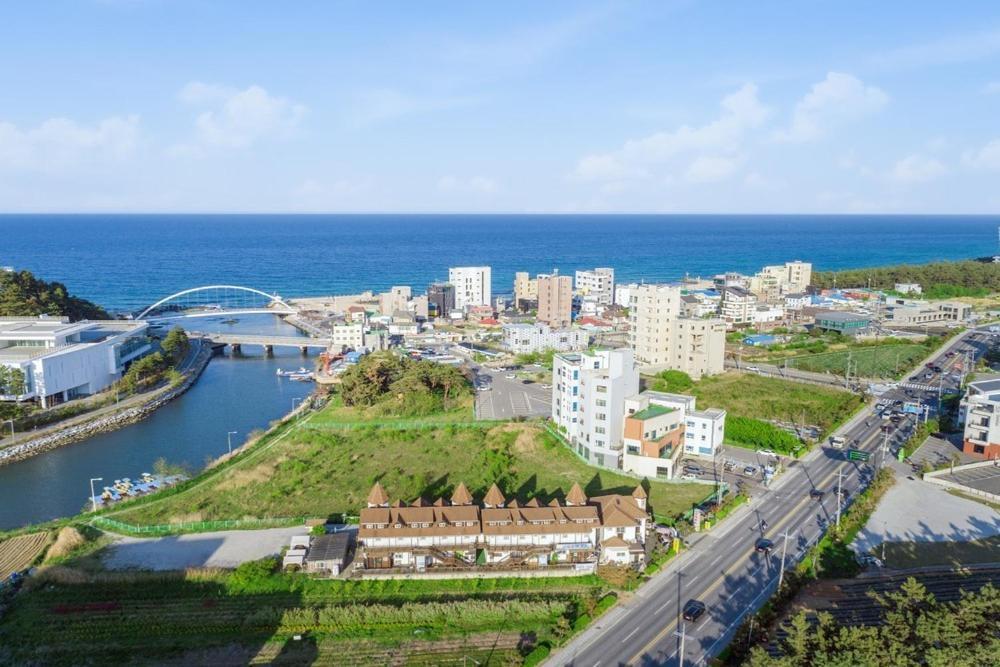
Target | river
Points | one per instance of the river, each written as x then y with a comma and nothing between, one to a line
233,394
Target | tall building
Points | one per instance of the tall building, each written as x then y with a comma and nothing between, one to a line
442,297
555,300
588,401
395,299
661,338
598,283
525,288
473,285
979,414
772,282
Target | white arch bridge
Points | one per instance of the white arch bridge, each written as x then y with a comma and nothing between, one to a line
214,300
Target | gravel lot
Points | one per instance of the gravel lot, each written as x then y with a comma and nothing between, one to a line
222,549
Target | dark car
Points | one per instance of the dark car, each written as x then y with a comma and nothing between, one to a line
816,494
764,546
693,609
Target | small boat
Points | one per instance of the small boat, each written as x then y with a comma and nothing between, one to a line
230,321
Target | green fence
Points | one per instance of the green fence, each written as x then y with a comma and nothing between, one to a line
196,526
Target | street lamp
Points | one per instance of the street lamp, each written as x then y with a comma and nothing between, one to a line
229,440
93,500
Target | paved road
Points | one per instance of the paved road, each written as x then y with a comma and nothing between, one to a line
723,569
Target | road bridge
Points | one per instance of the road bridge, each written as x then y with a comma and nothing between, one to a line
237,340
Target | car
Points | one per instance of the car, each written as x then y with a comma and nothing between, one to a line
763,546
749,470
816,494
694,470
527,382
766,452
510,376
688,477
693,609
546,386
483,387
753,369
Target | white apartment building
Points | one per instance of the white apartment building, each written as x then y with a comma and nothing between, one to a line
979,414
737,306
660,428
598,283
473,285
529,338
662,339
588,401
62,360
623,294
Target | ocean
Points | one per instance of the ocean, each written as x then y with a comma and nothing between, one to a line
126,262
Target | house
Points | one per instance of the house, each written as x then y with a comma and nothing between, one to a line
661,427
327,554
296,554
455,534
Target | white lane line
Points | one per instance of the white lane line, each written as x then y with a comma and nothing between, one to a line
662,607
629,635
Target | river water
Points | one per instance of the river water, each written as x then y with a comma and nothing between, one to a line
233,394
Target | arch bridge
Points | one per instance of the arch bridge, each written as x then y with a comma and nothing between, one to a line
214,300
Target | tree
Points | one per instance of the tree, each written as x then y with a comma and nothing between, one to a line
12,381
24,295
176,345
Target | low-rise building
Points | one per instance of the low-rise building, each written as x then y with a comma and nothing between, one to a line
440,299
530,338
661,427
842,322
457,534
62,360
908,288
979,415
737,306
913,312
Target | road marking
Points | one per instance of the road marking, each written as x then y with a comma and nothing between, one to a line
629,635
662,607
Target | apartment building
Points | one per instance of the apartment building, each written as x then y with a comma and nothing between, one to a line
529,338
62,360
661,427
623,294
772,282
598,283
555,300
525,289
395,299
473,285
440,299
662,339
588,401
454,534
737,306
979,414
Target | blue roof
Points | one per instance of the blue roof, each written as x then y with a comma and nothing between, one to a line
760,339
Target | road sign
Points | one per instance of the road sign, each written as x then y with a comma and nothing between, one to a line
857,455
913,408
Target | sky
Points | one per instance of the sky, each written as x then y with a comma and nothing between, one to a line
802,106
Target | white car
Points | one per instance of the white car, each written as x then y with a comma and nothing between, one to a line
753,369
767,452
546,386
510,376
689,477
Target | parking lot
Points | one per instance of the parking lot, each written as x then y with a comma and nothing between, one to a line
500,396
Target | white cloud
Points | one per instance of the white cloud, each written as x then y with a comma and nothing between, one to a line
237,118
711,168
987,157
475,184
59,142
992,88
713,145
949,50
915,169
837,99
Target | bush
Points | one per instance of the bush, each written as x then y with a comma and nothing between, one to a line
537,655
253,572
675,382
760,435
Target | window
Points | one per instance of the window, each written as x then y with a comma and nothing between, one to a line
601,389
602,416
601,403
600,429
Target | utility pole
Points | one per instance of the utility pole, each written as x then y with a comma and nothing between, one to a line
840,476
885,447
781,572
683,635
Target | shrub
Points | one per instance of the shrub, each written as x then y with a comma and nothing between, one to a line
759,434
253,572
68,540
537,655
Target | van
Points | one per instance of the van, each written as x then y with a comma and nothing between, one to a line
837,442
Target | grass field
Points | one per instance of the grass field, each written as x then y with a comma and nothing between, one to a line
902,555
767,398
323,468
883,361
206,617
18,553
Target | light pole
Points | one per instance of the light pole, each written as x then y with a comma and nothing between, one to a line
229,440
885,537
840,476
781,572
683,635
11,422
93,500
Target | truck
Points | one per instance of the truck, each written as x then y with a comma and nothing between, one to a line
837,441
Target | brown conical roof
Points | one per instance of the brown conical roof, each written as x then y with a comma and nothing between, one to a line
494,497
532,503
377,496
639,492
419,502
461,495
554,503
576,495
439,502
514,504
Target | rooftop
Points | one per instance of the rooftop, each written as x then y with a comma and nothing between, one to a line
329,547
841,316
651,412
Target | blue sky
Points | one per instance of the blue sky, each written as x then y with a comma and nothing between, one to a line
808,106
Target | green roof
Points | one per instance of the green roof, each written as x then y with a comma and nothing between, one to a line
652,411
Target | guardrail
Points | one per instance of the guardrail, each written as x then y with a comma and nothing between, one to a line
196,526
934,478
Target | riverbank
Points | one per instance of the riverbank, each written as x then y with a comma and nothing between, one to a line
112,417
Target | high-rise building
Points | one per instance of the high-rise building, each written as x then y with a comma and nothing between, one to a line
442,297
473,285
588,401
525,289
661,338
598,284
555,300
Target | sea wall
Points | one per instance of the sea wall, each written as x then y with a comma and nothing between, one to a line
107,422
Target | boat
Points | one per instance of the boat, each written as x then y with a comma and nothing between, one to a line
230,321
125,488
303,371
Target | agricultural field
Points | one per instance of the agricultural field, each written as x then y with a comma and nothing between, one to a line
20,552
250,616
325,466
882,361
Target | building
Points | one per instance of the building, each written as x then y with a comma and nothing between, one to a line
623,294
908,288
455,534
598,283
979,414
441,299
555,300
588,401
529,338
842,322
737,306
662,339
62,360
473,286
661,427
349,335
912,312
797,301
772,282
395,299
323,554
526,291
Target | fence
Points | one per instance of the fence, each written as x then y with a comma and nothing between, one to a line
196,526
935,478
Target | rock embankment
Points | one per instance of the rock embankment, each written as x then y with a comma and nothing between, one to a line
106,422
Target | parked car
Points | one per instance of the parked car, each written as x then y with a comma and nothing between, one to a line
688,477
766,452
510,376
753,369
693,610
763,546
749,470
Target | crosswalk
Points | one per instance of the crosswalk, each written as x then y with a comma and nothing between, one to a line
918,387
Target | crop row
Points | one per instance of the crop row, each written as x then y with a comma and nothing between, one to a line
19,552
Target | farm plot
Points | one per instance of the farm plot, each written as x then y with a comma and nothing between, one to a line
18,553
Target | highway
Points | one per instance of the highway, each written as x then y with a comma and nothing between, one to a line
723,569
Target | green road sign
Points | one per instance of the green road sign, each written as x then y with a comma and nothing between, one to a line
857,455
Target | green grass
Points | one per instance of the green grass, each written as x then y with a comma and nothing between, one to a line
767,398
321,469
882,361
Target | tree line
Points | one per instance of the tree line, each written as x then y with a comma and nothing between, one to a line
938,279
402,386
24,295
